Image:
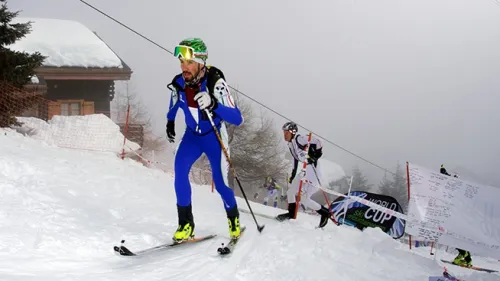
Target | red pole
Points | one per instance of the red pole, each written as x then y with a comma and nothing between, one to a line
408,181
304,165
125,131
328,202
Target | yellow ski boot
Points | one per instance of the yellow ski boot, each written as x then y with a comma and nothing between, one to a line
234,227
184,232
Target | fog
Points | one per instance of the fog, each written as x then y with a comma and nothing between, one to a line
389,80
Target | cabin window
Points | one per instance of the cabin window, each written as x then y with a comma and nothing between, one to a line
70,108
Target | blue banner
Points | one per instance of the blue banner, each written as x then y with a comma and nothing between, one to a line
361,216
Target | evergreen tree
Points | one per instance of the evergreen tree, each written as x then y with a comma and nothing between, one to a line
340,185
397,187
16,68
400,186
359,181
386,186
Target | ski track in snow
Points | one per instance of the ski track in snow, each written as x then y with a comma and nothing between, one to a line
63,210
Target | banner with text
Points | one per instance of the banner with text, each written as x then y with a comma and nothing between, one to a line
361,216
454,212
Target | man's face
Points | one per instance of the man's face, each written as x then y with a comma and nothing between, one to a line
287,135
190,69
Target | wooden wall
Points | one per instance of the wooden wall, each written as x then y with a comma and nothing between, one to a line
89,90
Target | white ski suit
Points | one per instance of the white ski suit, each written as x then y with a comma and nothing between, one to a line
312,175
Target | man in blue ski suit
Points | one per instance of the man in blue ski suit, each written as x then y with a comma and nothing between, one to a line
198,89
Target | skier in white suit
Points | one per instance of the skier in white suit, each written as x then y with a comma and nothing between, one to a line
297,144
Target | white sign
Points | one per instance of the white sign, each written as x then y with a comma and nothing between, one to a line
454,212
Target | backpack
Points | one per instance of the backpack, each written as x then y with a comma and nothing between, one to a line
213,75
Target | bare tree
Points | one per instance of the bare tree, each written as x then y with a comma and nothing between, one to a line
256,146
256,149
138,116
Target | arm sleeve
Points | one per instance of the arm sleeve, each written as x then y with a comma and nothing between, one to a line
227,108
315,150
302,140
173,107
316,142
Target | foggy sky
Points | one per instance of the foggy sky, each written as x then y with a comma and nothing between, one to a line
391,80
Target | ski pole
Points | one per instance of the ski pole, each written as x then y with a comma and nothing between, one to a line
324,195
259,227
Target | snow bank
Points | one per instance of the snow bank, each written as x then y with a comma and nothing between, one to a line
330,171
65,43
91,132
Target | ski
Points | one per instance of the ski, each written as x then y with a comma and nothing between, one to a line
262,215
472,267
226,250
124,251
257,214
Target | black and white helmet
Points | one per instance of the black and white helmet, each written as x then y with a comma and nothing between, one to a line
290,126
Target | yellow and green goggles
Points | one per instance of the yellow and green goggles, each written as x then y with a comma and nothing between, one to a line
184,52
188,53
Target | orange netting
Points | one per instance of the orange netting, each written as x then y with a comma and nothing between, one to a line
27,102
27,111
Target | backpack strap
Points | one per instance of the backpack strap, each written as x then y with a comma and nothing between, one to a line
213,75
301,146
174,84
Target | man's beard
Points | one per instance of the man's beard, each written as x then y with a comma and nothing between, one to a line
194,78
190,77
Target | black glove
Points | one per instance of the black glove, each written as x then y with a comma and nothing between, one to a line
311,161
314,154
171,130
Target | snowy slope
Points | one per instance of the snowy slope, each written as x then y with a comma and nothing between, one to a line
62,210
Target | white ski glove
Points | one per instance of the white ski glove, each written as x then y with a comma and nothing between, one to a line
205,101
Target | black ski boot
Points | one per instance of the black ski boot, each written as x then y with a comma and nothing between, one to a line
185,230
290,214
325,216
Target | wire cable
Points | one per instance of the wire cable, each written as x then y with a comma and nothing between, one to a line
238,91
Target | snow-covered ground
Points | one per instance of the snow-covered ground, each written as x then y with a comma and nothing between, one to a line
63,210
88,132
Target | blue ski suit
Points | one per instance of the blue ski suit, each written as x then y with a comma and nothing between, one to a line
199,137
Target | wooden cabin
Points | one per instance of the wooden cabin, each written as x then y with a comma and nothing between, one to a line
79,73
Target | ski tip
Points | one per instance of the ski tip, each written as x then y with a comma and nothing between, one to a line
224,251
122,250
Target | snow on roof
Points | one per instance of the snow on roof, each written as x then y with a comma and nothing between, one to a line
66,44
